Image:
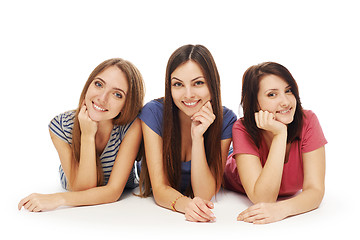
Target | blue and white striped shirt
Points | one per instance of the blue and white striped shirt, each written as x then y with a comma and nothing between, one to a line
62,126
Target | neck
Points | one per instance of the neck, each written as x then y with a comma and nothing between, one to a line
104,127
185,121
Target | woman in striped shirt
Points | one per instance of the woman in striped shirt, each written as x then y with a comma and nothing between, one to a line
99,141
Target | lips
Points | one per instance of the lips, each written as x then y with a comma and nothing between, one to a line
97,107
284,111
190,104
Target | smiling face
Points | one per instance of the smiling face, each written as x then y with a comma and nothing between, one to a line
275,96
106,95
189,88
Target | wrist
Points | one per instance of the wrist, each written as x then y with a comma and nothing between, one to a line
281,134
197,139
87,137
61,199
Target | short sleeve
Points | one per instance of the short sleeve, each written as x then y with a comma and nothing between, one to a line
312,134
62,126
229,118
152,115
242,142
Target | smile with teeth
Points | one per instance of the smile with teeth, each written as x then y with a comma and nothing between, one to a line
284,111
99,108
190,103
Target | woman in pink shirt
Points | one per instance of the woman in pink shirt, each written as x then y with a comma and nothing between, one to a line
278,148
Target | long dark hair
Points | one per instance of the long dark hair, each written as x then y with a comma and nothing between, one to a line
249,101
171,123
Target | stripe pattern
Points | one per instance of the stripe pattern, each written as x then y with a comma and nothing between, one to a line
62,126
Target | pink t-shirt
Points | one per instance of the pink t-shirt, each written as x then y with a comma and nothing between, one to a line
312,138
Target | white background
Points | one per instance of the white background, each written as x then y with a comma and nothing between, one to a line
48,49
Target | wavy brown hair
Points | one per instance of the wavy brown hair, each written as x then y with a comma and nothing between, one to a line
132,107
250,88
171,125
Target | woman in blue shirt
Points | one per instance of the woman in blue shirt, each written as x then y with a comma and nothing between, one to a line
187,135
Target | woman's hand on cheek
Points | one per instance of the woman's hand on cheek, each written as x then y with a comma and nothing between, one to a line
202,120
266,120
87,126
198,210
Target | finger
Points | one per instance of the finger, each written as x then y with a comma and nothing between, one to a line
207,108
271,116
254,218
82,111
23,202
204,211
37,209
205,112
195,217
189,218
253,213
208,105
208,115
209,204
265,118
257,121
248,210
28,206
262,221
202,120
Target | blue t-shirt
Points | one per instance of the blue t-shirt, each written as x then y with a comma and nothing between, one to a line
152,116
62,126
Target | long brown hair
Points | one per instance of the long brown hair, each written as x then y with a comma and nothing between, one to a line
250,88
171,125
131,109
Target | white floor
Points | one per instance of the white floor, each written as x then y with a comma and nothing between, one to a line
49,48
137,217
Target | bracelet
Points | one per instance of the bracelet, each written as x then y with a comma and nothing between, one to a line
174,202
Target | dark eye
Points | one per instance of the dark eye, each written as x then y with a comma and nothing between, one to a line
199,83
98,84
288,90
118,95
177,84
271,94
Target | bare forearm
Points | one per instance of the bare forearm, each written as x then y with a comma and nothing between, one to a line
165,195
93,196
267,186
86,174
202,179
306,201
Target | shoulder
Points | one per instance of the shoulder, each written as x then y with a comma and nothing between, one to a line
152,115
239,127
242,140
229,117
154,107
310,120
312,136
62,125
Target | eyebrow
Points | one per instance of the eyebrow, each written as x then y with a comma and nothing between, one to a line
175,78
276,89
118,89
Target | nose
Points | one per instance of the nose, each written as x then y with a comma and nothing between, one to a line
284,102
103,97
189,92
